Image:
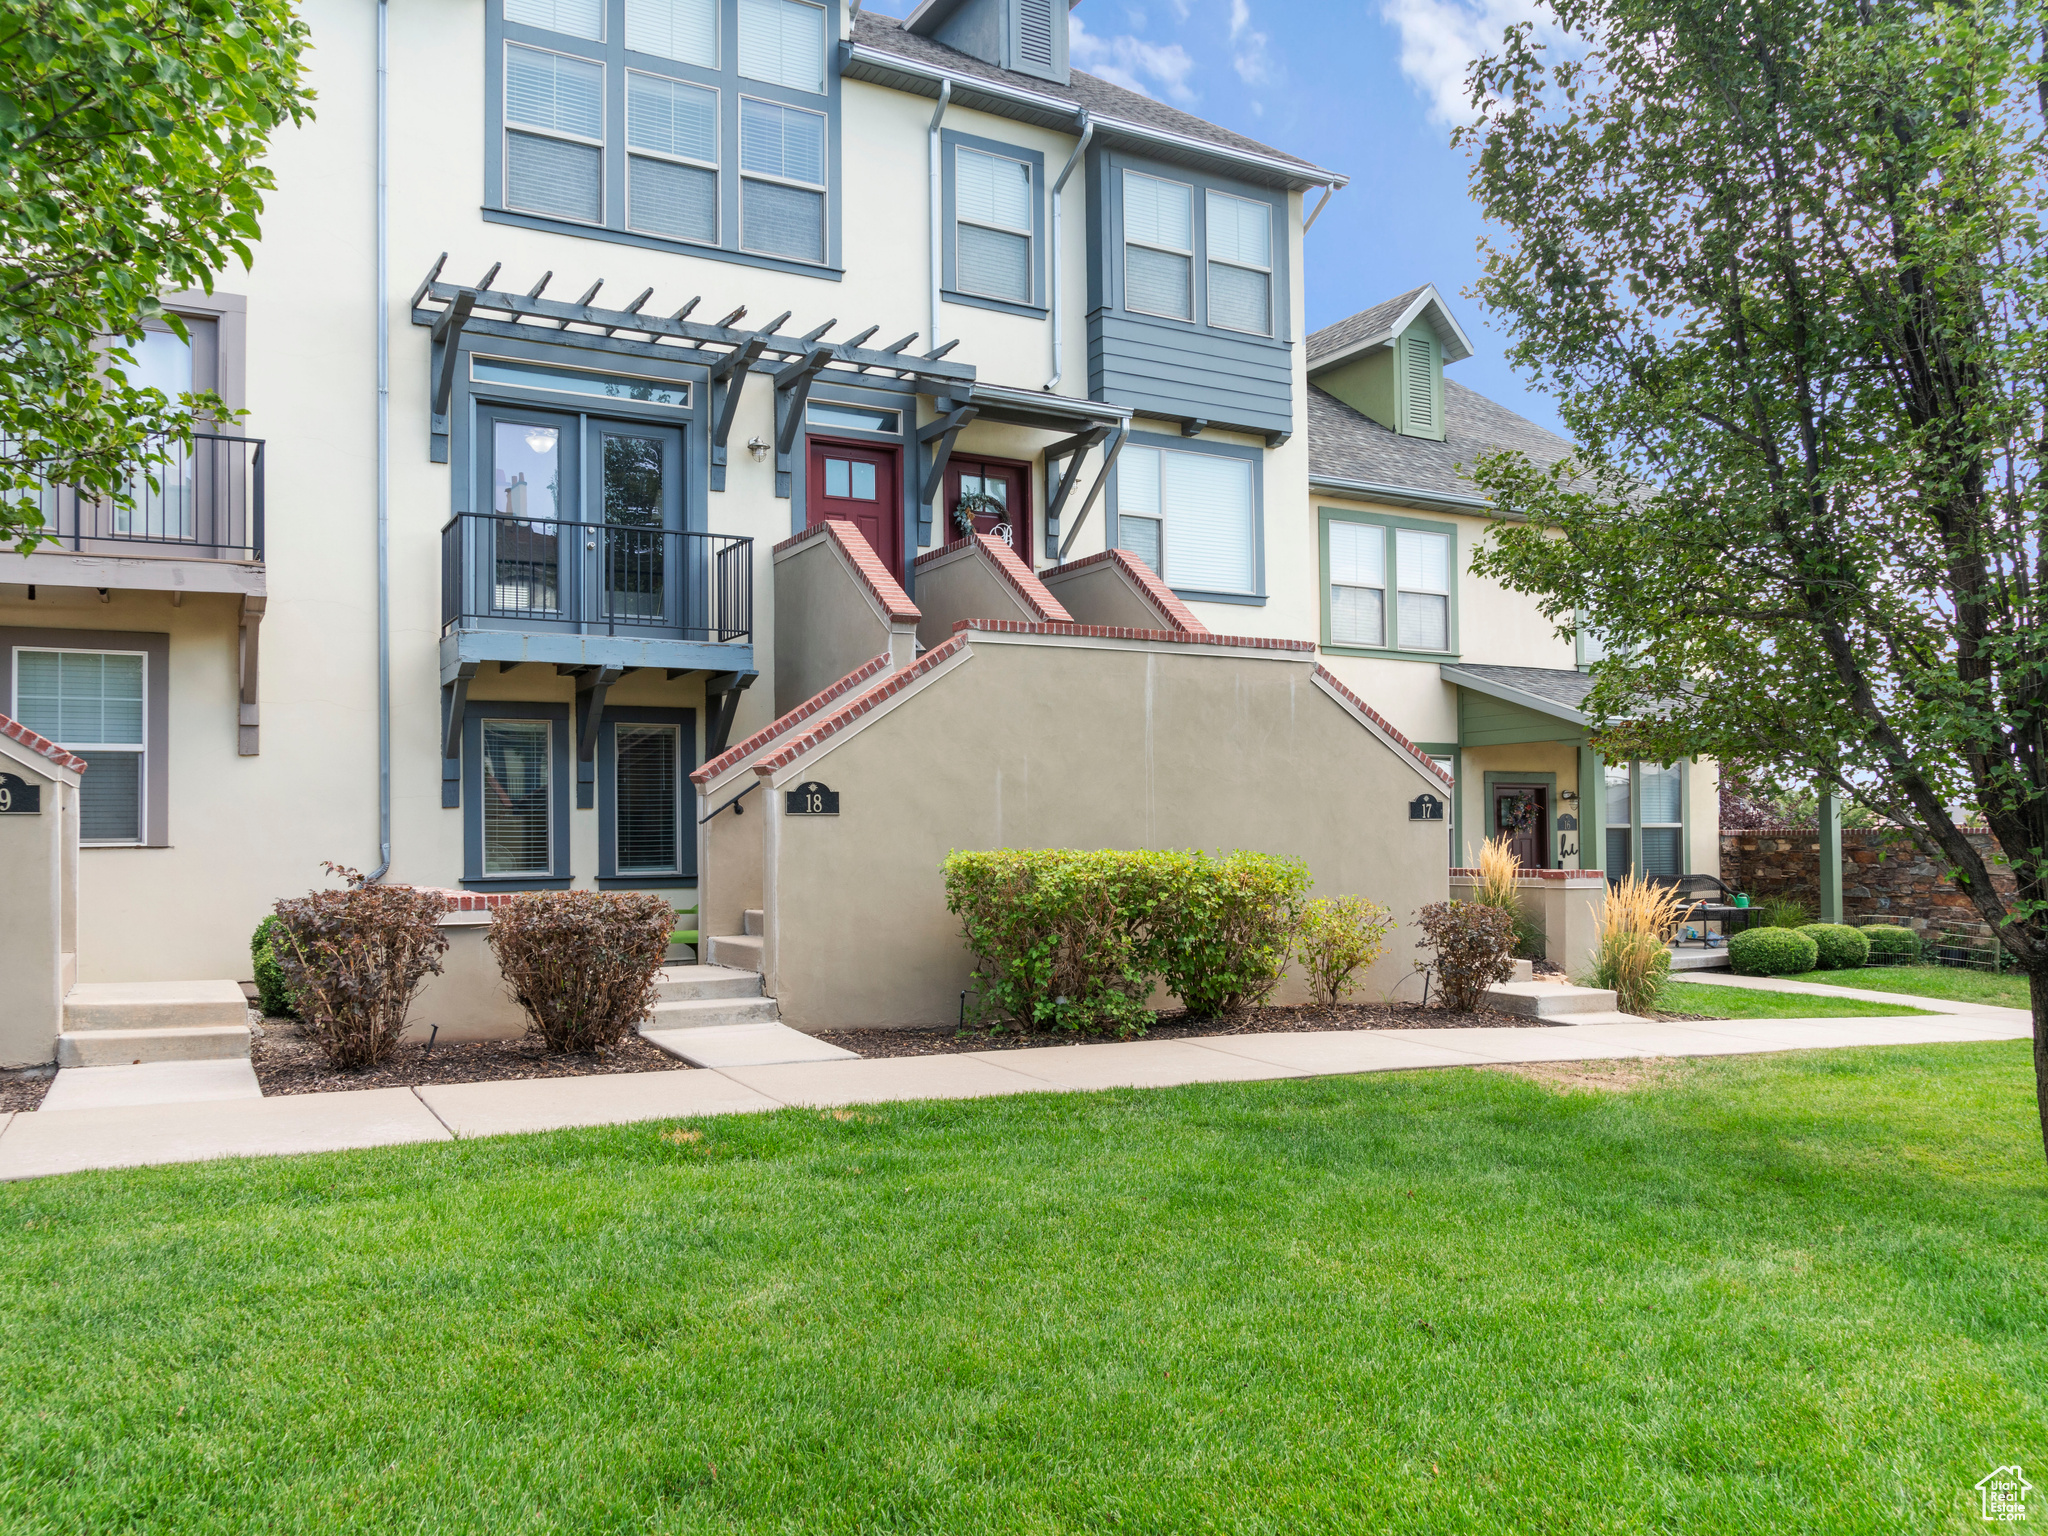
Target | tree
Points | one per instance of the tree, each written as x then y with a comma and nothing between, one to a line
130,142
1782,264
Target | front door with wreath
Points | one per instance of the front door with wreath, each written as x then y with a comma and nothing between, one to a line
990,496
1522,811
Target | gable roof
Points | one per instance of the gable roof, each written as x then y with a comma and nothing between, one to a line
1547,690
1165,132
1375,327
42,746
1348,450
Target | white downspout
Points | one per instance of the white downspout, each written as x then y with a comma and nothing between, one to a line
938,237
383,445
1059,366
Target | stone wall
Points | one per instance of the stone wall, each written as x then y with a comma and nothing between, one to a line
1884,876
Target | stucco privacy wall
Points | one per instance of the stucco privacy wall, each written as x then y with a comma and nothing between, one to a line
38,895
1039,741
1112,588
835,606
979,578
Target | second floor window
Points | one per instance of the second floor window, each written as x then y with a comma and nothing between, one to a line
554,134
782,163
1240,264
1192,517
1390,584
1159,246
992,207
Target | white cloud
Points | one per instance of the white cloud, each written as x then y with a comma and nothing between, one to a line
1248,47
1131,62
1441,38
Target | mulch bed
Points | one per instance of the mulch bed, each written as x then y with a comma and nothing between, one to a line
1173,1026
22,1090
287,1061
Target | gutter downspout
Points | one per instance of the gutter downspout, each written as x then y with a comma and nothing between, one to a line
383,445
1059,367
938,245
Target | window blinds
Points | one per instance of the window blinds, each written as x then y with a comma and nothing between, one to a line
646,775
1240,234
992,202
1422,562
671,118
1159,219
674,29
1358,584
1209,522
554,92
560,95
783,42
515,797
91,703
785,142
577,18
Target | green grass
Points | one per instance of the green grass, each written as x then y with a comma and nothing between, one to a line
1742,1003
1790,1293
2006,989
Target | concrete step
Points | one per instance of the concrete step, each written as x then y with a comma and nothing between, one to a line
753,1045
1695,959
155,1082
154,1005
741,951
131,1047
708,1012
1547,999
684,983
753,921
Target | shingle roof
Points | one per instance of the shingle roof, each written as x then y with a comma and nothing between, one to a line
1553,685
1367,322
885,34
1344,444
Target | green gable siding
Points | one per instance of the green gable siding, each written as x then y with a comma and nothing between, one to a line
1486,722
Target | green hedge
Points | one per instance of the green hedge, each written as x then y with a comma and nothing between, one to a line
1891,945
1840,947
1772,952
275,998
1074,940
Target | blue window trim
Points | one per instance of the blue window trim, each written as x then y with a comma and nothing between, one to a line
726,80
608,876
561,770
1256,598
1386,522
950,290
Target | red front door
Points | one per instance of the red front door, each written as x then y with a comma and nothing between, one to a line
857,484
1003,507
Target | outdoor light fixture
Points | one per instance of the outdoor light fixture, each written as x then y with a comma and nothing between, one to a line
758,447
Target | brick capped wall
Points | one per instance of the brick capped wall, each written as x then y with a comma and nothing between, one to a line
1884,876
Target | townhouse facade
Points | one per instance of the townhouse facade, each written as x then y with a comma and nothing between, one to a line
630,384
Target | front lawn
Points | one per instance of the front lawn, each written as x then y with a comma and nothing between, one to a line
1788,1293
2005,989
1714,1002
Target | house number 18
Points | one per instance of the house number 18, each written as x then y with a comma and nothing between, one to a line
811,799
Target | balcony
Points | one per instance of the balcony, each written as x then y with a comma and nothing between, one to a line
195,524
596,595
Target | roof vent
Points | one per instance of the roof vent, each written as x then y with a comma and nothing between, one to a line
1027,36
1034,34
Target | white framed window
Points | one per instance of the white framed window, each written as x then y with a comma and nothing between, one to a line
1661,795
1159,246
683,30
1240,234
518,797
992,213
554,134
94,704
572,18
1192,517
1388,583
783,43
1423,582
1358,584
672,158
1619,819
782,180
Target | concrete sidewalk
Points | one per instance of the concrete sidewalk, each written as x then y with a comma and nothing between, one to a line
66,1141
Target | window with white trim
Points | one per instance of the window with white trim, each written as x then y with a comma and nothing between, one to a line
554,134
1389,583
1620,819
683,30
1661,792
992,212
782,188
92,703
1240,234
1192,517
783,43
1159,246
672,160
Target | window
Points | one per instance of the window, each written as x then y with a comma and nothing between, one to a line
825,413
92,703
517,766
850,479
782,195
672,189
783,43
1159,246
1389,583
1240,264
1662,797
646,833
554,134
579,381
993,221
1192,517
667,123
1620,818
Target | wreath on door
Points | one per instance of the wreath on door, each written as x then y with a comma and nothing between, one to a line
1518,813
980,504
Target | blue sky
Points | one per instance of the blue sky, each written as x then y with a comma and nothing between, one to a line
1366,87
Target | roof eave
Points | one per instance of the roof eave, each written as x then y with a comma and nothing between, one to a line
1417,497
1452,673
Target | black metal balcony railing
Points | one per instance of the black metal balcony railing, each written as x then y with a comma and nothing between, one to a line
595,578
204,498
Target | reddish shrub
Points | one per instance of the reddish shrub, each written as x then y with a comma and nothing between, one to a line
582,963
1474,946
353,959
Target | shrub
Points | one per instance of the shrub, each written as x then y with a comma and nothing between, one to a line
1222,927
1060,938
1336,938
1474,946
1781,912
1637,924
1499,869
1890,945
352,960
1839,947
582,963
1772,952
275,998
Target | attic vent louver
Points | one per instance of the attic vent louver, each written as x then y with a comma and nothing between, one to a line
1418,389
1034,32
